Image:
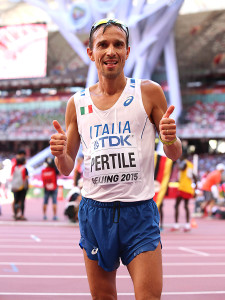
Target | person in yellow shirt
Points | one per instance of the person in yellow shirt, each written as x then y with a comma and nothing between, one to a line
185,191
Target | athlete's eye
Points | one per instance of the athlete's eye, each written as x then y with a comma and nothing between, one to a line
103,45
119,44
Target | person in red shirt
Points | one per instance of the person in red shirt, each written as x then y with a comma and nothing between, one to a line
49,179
213,179
20,194
20,154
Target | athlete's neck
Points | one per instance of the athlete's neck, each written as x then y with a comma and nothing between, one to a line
113,86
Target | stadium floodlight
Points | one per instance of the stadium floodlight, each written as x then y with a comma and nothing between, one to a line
213,144
221,147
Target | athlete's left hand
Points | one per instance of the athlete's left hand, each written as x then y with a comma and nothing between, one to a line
167,126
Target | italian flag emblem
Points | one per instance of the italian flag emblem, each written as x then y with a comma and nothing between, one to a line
86,110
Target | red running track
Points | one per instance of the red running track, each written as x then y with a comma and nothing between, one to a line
42,260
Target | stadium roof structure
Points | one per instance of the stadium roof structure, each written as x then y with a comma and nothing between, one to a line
200,45
199,31
18,11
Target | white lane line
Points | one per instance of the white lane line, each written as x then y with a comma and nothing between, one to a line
198,247
194,264
35,238
47,276
46,241
42,264
118,276
190,255
82,264
192,241
195,293
41,224
51,235
193,251
68,232
194,276
56,294
41,254
119,294
38,247
74,241
30,254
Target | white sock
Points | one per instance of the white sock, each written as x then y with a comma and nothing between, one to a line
176,226
187,226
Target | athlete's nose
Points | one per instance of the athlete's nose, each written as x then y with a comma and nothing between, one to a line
111,50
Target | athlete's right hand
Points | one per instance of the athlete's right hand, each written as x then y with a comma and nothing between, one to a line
58,141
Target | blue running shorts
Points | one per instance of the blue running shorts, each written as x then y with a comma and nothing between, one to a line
118,230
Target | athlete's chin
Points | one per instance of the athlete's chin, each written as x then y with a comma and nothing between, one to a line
111,75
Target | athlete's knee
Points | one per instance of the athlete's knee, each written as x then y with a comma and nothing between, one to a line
98,295
149,290
154,294
103,293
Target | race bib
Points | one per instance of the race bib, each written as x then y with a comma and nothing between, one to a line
114,159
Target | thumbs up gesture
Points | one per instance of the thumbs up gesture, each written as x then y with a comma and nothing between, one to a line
58,141
167,126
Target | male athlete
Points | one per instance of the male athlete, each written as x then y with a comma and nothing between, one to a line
115,120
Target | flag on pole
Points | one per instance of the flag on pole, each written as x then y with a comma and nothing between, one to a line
163,170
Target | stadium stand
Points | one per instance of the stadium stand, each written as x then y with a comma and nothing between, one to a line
202,115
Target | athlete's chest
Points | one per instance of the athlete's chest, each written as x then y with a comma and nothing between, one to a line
104,102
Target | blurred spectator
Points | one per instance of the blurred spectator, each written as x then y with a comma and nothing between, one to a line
49,179
19,186
218,210
73,201
199,196
211,188
185,191
31,119
203,117
1,184
20,154
78,171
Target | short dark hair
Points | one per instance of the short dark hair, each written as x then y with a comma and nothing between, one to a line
50,161
21,151
106,23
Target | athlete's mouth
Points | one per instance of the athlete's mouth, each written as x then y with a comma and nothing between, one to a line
110,62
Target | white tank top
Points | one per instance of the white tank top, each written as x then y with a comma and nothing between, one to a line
118,146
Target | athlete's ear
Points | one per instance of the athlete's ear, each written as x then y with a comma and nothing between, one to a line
90,54
128,52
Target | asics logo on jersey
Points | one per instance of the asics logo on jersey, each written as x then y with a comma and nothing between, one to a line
94,251
128,100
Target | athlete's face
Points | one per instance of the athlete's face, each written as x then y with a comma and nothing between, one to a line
109,51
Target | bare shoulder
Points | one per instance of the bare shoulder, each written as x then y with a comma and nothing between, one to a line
149,85
73,137
70,111
152,90
153,97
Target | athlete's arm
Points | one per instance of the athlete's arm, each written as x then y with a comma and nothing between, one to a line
64,146
156,107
